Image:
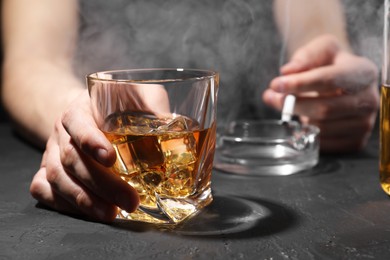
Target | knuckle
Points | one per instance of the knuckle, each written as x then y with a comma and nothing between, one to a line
368,102
368,107
332,41
367,125
373,72
82,200
303,54
65,117
58,126
84,141
53,174
369,69
36,188
68,156
324,111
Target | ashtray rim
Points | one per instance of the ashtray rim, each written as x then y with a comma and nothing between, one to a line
310,129
309,132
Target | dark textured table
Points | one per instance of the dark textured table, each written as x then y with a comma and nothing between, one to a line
335,211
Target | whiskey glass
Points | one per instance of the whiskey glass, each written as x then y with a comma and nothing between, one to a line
162,125
384,125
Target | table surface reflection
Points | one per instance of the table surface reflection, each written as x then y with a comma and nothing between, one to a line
336,210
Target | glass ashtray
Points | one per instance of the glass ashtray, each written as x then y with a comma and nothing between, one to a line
267,148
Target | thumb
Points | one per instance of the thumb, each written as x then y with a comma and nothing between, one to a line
79,123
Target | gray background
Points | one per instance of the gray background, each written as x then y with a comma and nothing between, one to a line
237,38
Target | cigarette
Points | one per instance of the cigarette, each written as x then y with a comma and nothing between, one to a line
288,108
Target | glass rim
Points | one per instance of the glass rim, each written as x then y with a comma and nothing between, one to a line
208,74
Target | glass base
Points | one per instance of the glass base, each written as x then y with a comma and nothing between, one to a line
169,210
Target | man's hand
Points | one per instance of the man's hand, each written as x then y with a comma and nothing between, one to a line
74,176
335,90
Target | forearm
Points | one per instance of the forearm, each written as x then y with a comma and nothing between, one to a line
35,93
300,21
38,44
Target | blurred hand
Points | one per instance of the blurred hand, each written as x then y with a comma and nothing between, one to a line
335,90
74,176
113,97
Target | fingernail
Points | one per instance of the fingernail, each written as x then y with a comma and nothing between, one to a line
127,202
101,155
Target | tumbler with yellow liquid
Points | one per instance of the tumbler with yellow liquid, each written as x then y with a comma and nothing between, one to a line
162,125
384,165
